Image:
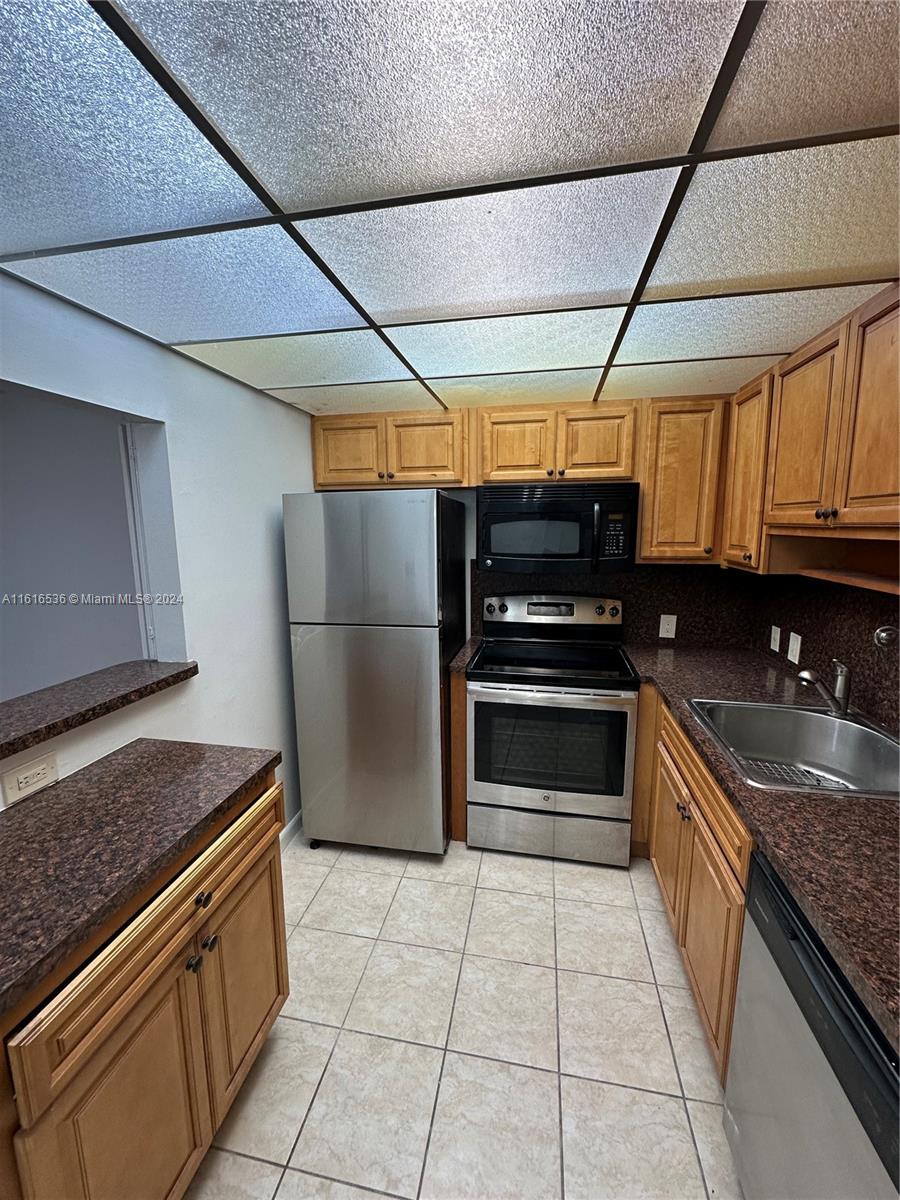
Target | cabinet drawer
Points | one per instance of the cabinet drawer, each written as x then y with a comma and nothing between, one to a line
52,1047
730,832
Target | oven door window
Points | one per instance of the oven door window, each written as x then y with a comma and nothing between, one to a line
532,536
551,749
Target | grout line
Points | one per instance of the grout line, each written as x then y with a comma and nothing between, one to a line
343,1183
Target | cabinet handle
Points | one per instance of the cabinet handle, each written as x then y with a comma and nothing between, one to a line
562,471
820,513
194,963
203,899
707,549
833,514
550,471
381,474
747,557
390,474
210,943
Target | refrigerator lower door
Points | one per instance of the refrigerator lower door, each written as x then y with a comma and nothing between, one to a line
368,709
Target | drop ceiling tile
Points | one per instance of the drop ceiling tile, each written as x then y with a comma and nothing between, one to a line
814,68
735,324
359,397
558,246
711,377
823,215
546,387
339,102
236,284
308,360
92,146
528,343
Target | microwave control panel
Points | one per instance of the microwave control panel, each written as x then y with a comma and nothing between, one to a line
615,536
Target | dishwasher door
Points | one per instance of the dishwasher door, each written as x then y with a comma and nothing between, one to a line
811,1097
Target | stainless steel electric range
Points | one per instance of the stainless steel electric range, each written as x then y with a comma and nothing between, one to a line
552,712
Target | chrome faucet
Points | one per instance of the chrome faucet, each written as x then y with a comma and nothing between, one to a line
838,699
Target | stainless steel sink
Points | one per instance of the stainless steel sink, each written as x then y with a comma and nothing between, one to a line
803,749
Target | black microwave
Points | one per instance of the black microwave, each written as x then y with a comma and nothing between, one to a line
563,528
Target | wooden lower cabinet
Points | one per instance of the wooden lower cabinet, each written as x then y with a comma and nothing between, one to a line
667,832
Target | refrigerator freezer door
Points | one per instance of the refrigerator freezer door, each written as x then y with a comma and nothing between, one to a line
362,558
369,735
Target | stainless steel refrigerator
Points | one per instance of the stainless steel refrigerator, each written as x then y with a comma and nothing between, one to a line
376,597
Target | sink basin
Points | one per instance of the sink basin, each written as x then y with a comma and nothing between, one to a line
803,749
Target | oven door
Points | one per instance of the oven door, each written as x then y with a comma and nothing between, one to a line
551,750
554,538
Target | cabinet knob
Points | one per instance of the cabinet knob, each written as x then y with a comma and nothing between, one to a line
203,899
381,474
210,943
820,513
194,963
562,471
390,474
833,514
707,549
550,471
748,557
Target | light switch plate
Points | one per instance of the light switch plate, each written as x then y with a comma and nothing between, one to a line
28,778
667,625
794,647
775,639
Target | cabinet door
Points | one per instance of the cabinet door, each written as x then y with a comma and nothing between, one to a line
670,799
349,451
244,977
597,443
682,474
746,474
712,922
136,1121
805,431
426,448
518,445
868,476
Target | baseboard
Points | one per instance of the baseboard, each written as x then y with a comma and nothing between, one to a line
290,831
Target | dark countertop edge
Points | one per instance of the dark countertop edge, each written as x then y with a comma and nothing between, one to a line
54,957
120,690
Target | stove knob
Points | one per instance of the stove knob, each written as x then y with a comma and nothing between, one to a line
504,608
490,608
614,610
600,610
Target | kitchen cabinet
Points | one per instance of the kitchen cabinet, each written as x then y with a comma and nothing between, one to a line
681,479
596,442
349,451
125,1073
671,798
867,491
379,449
518,445
533,445
745,474
425,448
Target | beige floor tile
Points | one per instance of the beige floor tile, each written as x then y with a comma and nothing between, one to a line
513,926
506,1010
326,855
613,1029
664,953
269,1109
224,1176
324,969
370,858
406,992
495,1135
424,913
620,1144
302,880
351,902
595,884
605,939
646,889
459,865
297,1185
696,1065
369,1123
715,1153
516,873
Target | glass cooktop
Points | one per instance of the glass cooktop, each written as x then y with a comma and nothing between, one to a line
553,664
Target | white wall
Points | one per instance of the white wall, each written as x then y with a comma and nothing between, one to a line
232,453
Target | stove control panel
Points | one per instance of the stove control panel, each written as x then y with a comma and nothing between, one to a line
554,610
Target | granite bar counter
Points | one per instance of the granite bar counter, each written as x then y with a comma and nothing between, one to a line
74,854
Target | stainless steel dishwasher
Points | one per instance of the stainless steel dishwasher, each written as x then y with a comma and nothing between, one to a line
811,1105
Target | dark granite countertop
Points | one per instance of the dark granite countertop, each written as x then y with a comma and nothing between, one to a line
33,718
461,661
75,853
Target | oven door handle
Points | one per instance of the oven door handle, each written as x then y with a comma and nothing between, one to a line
609,700
595,551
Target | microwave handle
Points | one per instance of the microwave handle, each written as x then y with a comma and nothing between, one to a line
595,553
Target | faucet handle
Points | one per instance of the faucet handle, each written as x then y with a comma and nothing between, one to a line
840,671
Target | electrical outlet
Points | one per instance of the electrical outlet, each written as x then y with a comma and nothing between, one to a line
793,652
28,778
775,638
667,625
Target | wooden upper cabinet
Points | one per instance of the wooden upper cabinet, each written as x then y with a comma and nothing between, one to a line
681,477
349,451
518,445
805,431
597,443
867,490
426,448
748,440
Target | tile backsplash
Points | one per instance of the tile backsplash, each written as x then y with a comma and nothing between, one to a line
731,608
